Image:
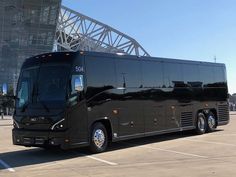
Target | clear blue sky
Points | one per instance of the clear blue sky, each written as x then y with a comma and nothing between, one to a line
186,29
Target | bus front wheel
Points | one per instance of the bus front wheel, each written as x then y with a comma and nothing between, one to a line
201,124
98,138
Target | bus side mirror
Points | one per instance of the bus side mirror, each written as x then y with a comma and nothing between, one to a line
78,85
77,88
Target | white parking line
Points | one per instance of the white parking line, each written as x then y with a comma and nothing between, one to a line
218,134
49,164
210,142
100,160
172,151
6,166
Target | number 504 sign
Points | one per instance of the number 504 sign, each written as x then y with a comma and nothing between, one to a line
79,69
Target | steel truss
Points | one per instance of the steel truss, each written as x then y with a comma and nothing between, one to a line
76,31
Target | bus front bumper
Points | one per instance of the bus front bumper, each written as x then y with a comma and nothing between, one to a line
40,138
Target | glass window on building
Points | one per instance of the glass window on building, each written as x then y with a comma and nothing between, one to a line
27,28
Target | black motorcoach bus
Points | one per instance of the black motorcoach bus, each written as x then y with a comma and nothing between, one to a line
74,99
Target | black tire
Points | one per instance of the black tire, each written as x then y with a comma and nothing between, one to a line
98,138
201,124
211,122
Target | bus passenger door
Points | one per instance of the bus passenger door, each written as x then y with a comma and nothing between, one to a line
78,124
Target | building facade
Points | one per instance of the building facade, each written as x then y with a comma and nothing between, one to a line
27,28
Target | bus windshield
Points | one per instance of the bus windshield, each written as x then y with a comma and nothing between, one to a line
44,84
52,83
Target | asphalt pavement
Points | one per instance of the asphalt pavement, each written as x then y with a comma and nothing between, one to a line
173,155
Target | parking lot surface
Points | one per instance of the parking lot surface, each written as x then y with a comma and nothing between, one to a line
173,155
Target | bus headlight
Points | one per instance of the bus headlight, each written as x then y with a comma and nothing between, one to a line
59,125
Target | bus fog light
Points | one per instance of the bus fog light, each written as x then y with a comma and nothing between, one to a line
52,142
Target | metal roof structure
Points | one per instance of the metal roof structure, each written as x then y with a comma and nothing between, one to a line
76,31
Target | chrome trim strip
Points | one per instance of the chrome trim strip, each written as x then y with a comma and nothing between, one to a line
164,131
130,136
57,123
154,133
74,144
120,88
17,125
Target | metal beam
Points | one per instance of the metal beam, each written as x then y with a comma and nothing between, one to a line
76,31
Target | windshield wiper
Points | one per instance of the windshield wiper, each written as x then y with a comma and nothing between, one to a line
41,102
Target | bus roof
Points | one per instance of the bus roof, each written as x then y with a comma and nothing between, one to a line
68,57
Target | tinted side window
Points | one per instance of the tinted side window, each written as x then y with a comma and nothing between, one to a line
220,74
100,72
173,75
128,73
191,75
206,75
152,74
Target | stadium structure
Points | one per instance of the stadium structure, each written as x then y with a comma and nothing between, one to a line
31,27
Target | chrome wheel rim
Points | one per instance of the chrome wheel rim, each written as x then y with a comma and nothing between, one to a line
201,123
211,122
99,138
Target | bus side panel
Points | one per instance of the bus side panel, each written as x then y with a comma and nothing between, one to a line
129,88
78,124
153,96
130,114
101,93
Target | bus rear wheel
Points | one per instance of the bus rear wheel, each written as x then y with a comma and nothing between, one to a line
211,122
201,124
98,138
